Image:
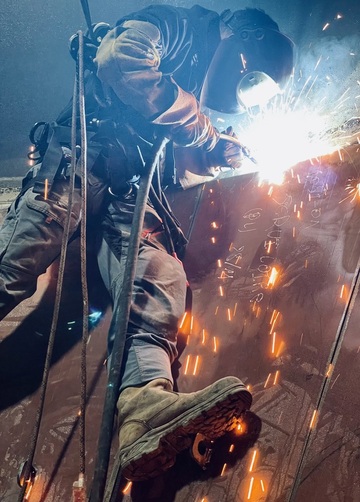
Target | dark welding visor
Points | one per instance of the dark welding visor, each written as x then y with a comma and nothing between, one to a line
247,69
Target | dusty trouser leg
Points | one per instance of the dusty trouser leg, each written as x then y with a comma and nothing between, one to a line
158,300
156,423
30,240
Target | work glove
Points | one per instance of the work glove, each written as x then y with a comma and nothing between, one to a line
225,153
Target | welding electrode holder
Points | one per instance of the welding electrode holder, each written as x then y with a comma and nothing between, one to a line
245,151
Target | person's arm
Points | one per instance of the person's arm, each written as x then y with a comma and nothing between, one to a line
128,60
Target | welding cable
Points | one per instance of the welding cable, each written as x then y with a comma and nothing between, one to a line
87,15
66,235
83,266
120,318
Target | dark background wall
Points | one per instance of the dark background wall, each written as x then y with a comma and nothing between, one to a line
37,70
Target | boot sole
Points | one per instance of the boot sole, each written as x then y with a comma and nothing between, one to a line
156,450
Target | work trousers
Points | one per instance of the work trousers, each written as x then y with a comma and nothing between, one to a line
30,240
159,293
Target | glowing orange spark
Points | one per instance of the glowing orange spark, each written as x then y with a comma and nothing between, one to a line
229,314
253,461
239,428
273,343
219,264
46,189
276,377
235,308
271,189
231,449
313,419
215,344
250,488
273,276
221,291
196,365
214,224
267,380
213,240
183,320
329,371
274,322
294,232
342,290
262,485
203,337
187,365
280,349
223,470
272,316
126,490
191,323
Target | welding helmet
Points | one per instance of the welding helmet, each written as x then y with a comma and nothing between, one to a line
250,66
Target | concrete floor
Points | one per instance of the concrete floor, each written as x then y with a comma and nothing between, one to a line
274,275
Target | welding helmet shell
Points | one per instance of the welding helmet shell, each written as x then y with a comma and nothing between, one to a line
248,67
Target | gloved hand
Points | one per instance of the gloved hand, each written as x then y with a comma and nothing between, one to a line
225,153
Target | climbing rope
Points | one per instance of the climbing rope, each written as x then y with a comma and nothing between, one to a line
28,465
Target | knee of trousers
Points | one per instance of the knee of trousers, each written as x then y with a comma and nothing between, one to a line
31,237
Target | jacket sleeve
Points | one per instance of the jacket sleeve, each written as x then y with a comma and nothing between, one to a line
128,60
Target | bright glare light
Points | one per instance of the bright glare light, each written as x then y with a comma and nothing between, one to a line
279,140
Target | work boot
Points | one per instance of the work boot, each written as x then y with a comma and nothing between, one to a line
155,423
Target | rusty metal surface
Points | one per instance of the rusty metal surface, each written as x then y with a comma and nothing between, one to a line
274,277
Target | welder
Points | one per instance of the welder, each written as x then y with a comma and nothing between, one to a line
153,74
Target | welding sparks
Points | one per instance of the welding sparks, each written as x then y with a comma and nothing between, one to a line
250,488
273,343
127,487
276,377
273,276
196,365
279,140
253,461
203,339
46,189
313,419
183,320
353,189
187,365
267,380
